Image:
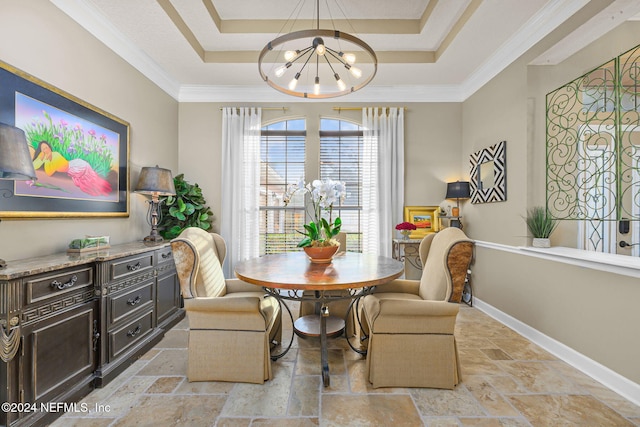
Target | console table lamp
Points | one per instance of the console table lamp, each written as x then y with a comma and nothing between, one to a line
155,181
15,160
457,190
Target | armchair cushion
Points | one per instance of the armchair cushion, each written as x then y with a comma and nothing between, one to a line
411,316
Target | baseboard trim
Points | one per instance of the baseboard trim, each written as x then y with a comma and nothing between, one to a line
609,378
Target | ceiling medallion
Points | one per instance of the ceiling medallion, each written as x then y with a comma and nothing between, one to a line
317,63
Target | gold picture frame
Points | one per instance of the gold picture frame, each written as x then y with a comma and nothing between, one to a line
426,218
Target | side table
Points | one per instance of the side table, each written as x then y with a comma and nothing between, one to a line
407,252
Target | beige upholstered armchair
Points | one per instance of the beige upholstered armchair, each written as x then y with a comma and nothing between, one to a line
231,323
411,323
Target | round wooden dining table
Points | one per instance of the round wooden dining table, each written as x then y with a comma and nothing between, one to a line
294,273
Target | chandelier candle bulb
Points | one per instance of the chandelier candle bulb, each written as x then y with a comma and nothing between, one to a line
316,87
350,58
291,54
355,72
294,82
281,69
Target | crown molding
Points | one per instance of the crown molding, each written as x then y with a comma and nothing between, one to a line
444,93
87,16
610,17
546,20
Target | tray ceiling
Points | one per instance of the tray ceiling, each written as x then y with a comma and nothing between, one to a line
428,50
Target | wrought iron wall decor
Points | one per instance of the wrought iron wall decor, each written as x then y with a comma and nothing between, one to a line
593,145
488,182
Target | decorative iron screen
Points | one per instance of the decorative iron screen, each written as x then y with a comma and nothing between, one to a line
593,144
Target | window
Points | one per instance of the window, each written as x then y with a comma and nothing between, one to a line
282,161
283,150
341,159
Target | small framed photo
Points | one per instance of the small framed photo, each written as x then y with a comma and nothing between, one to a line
425,218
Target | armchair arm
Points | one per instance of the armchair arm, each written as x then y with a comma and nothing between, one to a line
241,313
237,285
399,286
410,316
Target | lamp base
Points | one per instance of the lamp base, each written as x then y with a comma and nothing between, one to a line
154,239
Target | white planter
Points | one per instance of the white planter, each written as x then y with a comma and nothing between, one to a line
541,243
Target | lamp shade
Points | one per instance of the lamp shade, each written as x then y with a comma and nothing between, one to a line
15,161
458,190
155,181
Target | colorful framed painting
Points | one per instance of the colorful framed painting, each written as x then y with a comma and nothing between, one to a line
80,153
425,218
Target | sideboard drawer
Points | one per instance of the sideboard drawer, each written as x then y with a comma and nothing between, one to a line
57,283
132,301
123,338
164,255
130,265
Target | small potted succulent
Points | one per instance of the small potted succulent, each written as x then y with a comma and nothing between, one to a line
540,225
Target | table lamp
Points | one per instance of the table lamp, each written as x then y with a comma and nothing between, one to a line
155,181
457,190
15,160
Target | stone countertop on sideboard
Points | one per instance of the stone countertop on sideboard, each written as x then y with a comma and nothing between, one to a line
29,266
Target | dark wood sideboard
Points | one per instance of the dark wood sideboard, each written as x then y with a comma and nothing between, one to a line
71,323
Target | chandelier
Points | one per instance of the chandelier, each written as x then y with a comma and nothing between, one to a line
317,63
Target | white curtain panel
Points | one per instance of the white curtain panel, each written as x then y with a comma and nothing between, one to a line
383,177
240,184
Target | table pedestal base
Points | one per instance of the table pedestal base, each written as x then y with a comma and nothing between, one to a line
323,326
309,326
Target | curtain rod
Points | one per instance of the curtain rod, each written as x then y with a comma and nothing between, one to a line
361,108
263,108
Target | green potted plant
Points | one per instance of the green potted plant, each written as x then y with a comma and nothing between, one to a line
540,225
187,208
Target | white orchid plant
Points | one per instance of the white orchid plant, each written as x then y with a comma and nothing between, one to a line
323,194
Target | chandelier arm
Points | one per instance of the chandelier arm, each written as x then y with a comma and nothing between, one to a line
338,58
330,66
302,53
305,62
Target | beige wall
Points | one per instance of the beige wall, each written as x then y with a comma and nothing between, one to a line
432,145
36,37
591,311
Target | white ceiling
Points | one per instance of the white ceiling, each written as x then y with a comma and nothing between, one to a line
429,50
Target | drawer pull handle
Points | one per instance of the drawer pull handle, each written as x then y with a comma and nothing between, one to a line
134,267
134,301
167,255
135,332
60,286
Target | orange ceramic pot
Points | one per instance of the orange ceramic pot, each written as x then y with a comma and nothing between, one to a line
321,254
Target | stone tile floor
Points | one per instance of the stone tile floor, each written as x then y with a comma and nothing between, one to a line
507,381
